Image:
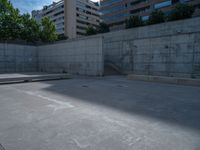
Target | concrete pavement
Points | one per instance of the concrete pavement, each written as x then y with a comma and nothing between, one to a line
109,113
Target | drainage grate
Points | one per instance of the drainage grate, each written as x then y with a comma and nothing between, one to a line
2,148
85,86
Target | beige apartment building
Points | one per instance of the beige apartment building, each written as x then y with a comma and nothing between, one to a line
71,17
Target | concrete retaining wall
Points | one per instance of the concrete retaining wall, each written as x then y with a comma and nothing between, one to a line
82,56
168,49
18,58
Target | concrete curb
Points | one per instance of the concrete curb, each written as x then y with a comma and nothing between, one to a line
34,78
162,79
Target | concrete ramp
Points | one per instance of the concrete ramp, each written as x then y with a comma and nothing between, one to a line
30,77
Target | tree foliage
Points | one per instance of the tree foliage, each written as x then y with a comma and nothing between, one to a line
181,11
30,30
103,28
156,16
15,26
48,33
91,31
133,21
9,21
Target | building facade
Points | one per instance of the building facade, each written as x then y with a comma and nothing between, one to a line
71,17
115,12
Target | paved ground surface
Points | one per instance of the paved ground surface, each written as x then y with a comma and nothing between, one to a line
110,113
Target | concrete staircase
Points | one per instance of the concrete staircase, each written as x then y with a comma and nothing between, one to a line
111,69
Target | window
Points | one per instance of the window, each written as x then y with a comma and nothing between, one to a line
115,17
112,9
59,13
60,24
145,18
110,2
138,1
82,28
80,4
163,4
140,10
81,16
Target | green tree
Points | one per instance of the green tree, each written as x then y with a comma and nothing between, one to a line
5,7
15,26
181,11
30,29
9,21
103,28
133,21
156,16
91,31
48,30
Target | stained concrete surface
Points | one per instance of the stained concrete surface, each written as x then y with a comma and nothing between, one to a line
110,113
7,78
169,49
24,75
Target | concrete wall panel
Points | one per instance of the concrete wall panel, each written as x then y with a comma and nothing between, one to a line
83,56
18,58
169,49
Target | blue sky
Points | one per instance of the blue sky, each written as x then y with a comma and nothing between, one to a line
28,5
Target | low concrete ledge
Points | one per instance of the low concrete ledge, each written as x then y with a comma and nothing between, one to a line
162,79
20,78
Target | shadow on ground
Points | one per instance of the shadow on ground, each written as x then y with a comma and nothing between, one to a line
175,104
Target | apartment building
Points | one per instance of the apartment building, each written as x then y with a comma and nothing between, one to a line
115,12
71,17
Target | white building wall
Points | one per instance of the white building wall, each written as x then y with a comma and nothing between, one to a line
78,13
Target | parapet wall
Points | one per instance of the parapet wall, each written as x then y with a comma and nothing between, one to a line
167,49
